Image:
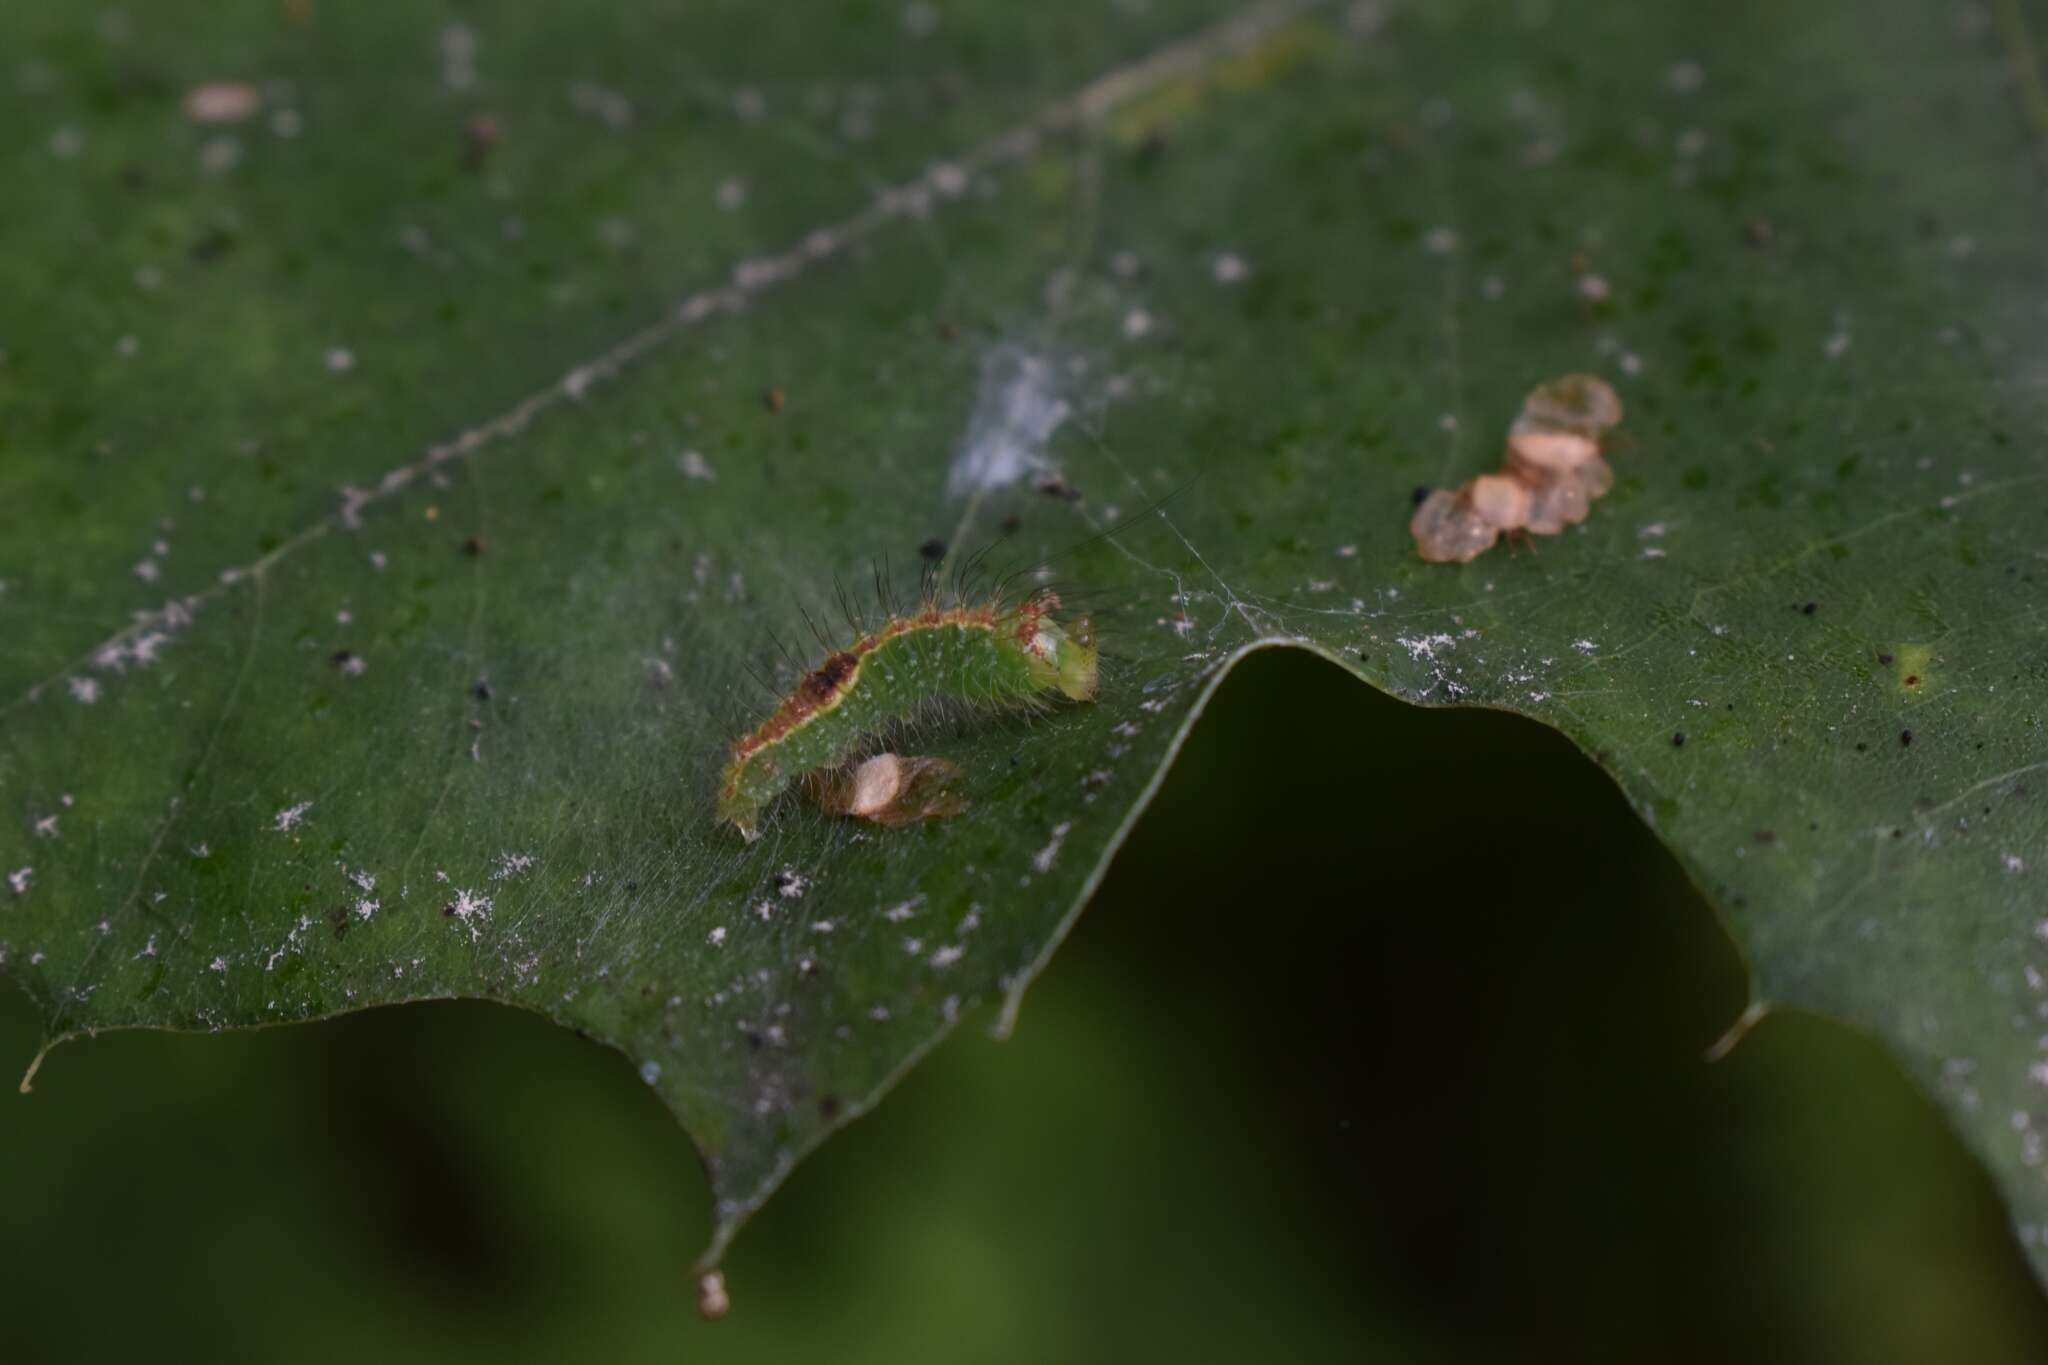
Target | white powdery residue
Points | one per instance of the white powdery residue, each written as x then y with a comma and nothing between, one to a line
1654,531
471,911
947,956
823,926
290,817
147,570
1042,860
650,1072
1229,268
1440,241
695,466
340,360
716,938
46,828
732,192
1653,552
791,884
365,907
1424,646
1016,412
19,879
219,964
511,865
1585,646
458,57
85,691
896,914
2012,862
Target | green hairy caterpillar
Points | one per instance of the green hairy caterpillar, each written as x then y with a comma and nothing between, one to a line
988,655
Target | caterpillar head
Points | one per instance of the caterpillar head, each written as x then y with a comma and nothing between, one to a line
1058,656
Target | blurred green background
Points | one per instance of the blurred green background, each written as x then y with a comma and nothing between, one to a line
1383,1038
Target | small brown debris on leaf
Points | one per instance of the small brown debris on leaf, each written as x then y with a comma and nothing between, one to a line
889,789
222,102
480,137
1549,480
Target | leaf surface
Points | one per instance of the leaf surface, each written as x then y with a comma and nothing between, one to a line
400,485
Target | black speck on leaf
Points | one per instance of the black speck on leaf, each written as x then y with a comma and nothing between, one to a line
481,689
341,658
1905,738
933,549
1678,740
1885,659
1809,608
1420,495
473,546
1764,836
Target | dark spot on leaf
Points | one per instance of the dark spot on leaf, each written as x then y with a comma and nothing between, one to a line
1011,522
1885,659
1861,747
481,689
1905,738
1678,740
1419,495
341,658
774,398
473,546
1764,836
212,245
828,1106
933,549
1056,486
1808,608
1912,680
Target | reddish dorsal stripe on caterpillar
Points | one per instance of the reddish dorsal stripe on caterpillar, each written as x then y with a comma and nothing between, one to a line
991,654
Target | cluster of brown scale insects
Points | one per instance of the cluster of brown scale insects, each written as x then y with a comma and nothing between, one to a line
1548,481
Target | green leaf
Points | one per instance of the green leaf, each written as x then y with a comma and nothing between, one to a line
397,487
